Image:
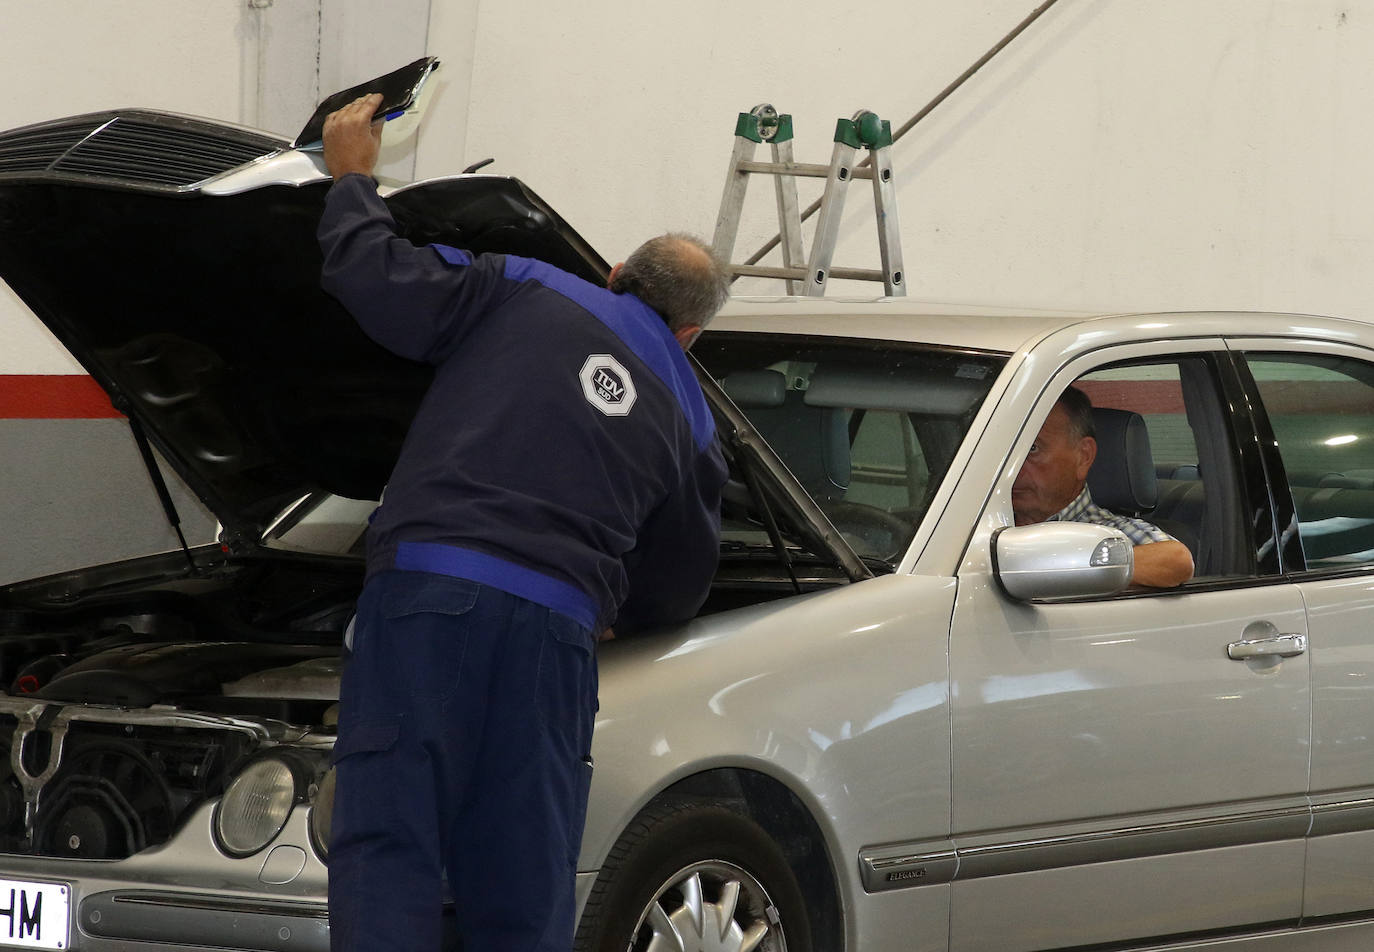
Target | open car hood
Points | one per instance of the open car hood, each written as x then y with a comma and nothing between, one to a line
176,259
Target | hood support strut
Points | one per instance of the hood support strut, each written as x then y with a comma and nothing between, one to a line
164,496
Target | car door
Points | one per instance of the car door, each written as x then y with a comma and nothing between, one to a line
1318,424
1134,768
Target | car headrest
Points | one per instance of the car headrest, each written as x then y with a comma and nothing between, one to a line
813,442
755,388
904,391
1123,475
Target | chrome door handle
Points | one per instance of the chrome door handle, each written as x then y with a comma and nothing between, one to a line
1280,646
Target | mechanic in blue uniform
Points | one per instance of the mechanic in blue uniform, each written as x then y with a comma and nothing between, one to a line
561,477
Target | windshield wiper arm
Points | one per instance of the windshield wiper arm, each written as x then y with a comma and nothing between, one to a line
770,522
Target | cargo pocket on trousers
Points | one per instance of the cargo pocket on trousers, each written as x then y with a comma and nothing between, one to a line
567,684
427,622
364,795
371,735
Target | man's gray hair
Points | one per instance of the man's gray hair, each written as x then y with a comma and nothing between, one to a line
678,276
1079,409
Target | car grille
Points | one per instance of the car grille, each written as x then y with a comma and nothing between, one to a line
142,149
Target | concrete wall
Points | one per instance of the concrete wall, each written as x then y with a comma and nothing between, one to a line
1123,154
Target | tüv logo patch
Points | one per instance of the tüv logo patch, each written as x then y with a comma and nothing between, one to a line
607,385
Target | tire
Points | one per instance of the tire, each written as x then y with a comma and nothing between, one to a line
694,877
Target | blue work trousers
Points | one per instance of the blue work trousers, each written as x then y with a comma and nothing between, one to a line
464,746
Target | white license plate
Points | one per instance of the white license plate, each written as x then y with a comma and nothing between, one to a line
34,915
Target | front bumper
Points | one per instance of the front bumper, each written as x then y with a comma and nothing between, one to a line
187,895
168,920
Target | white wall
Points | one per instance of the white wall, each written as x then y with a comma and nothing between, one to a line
64,57
1121,154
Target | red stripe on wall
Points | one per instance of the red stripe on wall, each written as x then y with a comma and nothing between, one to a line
53,397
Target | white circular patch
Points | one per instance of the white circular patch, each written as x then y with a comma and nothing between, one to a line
607,385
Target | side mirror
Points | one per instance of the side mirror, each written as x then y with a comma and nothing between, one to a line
1062,560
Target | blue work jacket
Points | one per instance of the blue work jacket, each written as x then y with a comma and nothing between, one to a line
564,452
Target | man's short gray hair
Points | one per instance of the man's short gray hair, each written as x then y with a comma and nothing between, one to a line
1079,409
678,276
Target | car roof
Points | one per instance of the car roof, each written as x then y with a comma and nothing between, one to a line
1009,330
897,319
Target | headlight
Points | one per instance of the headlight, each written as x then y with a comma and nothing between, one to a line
255,807
321,813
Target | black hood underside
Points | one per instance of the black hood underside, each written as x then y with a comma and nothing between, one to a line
203,317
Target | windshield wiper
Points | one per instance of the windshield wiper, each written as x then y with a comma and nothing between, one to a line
770,522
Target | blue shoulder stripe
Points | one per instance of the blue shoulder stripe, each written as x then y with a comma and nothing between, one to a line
638,326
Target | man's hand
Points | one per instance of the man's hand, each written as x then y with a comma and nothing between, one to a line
352,140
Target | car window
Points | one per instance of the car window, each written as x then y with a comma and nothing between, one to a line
1197,492
868,429
887,467
1321,409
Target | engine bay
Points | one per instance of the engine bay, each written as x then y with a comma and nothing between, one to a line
128,704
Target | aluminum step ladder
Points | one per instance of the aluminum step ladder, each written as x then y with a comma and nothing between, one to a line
865,131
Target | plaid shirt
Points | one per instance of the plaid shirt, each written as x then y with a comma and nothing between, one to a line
1083,509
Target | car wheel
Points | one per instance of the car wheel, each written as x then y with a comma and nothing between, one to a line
693,877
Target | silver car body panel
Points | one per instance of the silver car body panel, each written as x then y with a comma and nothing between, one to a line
1339,605
1090,698
880,714
287,167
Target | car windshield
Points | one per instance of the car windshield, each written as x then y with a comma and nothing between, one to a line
867,428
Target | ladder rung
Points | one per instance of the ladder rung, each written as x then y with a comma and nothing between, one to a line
806,169
801,274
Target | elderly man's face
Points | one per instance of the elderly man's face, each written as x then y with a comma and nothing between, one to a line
1053,473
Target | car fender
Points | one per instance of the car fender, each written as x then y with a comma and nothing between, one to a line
842,696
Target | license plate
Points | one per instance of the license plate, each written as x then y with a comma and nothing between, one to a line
34,915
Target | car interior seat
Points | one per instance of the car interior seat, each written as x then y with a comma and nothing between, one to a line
812,441
1123,478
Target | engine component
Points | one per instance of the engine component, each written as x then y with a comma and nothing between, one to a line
316,678
138,675
107,801
39,672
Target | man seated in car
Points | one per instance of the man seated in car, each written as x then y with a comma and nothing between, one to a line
1052,486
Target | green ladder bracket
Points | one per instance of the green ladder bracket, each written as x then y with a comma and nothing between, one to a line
864,131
